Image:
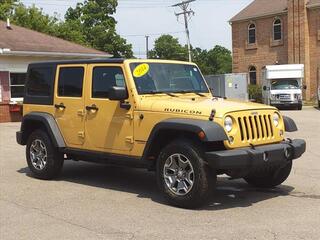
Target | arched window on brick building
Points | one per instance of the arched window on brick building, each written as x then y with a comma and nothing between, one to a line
251,33
253,75
277,29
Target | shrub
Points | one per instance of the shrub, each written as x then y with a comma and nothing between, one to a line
255,93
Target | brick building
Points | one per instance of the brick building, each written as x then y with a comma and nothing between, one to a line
278,32
20,46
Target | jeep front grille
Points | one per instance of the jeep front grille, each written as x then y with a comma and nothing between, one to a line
256,128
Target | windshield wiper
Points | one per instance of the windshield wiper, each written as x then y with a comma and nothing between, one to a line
186,91
160,92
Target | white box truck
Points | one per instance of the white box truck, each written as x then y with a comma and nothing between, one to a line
282,85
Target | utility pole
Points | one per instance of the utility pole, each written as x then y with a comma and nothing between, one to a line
147,46
186,14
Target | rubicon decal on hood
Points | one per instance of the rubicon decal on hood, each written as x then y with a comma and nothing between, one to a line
185,111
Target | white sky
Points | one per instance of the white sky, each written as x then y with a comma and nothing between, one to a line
137,18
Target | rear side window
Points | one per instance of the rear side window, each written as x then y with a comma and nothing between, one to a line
104,78
40,81
70,81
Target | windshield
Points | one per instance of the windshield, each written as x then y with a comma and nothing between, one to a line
151,78
281,84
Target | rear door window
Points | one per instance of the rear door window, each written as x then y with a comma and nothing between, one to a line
70,83
40,81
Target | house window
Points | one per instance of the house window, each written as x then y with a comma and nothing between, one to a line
277,30
252,33
253,75
17,82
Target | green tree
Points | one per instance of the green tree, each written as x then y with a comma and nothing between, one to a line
34,18
220,60
90,23
214,61
94,20
6,8
168,47
200,57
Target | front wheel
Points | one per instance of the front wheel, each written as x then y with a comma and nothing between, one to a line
300,107
43,159
270,178
182,175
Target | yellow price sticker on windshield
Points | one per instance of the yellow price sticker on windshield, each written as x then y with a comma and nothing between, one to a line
141,70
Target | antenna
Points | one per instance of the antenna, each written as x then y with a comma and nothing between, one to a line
186,13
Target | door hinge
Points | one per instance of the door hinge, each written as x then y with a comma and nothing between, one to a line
129,139
81,134
129,115
81,112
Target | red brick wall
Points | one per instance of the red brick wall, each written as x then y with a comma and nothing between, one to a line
4,83
314,30
264,52
299,39
301,43
7,116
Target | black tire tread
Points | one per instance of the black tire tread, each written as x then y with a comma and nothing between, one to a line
270,178
202,190
54,159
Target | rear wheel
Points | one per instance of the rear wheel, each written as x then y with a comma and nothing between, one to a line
182,175
270,178
43,159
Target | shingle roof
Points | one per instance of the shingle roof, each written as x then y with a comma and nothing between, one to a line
259,8
23,39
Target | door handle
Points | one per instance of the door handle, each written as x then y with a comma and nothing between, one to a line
60,106
93,107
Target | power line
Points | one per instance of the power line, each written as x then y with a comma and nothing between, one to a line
187,13
126,4
150,34
147,46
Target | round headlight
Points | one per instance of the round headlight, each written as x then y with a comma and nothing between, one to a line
228,123
272,97
276,119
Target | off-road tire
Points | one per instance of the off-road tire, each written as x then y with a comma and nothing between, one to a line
300,107
270,178
204,177
54,160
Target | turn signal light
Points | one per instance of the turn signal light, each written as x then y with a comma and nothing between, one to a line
202,135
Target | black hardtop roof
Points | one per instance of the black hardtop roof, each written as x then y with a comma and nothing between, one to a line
80,61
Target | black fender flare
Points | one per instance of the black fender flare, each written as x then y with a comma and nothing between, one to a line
48,121
289,124
213,131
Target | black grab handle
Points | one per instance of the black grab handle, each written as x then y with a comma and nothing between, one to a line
92,107
58,106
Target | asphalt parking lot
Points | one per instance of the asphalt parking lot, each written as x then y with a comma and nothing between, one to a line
91,201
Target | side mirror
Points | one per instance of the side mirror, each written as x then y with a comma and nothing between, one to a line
118,93
264,88
305,87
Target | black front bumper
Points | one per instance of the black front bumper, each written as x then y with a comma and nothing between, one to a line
258,156
19,138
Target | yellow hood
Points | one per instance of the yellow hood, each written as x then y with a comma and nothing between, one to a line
199,106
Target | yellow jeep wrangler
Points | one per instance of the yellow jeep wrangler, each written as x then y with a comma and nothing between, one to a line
155,114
